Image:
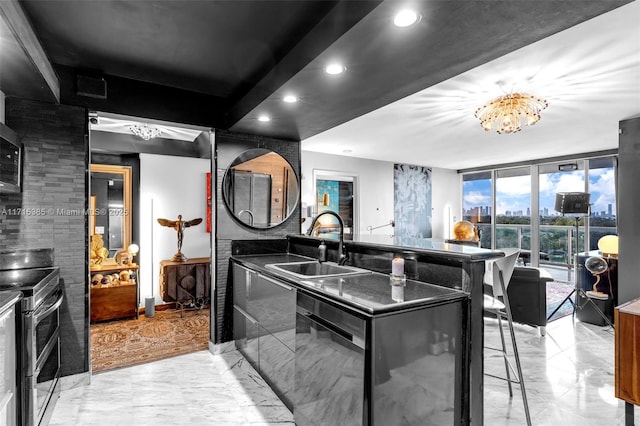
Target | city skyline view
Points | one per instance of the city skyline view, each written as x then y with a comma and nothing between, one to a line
513,193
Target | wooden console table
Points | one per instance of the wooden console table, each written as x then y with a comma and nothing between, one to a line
627,356
186,282
114,298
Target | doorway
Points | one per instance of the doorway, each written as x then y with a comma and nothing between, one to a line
169,166
337,191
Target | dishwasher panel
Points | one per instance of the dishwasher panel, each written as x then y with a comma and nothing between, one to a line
329,370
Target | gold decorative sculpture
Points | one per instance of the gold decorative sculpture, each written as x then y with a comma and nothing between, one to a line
465,231
179,225
98,252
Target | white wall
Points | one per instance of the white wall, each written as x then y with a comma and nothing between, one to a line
375,191
170,186
445,201
374,207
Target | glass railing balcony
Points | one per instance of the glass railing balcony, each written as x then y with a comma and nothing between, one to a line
557,242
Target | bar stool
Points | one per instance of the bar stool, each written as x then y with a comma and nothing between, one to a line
497,276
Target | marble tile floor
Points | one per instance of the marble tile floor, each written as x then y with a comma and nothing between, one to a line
569,377
568,373
193,389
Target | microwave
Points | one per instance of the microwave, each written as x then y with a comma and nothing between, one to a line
10,160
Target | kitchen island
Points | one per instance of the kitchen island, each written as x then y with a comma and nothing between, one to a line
435,264
363,355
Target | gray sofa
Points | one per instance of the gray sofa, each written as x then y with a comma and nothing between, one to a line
527,292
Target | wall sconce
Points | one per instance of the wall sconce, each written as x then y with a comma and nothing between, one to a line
325,199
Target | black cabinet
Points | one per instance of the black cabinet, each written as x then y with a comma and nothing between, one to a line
404,368
273,304
246,332
349,366
277,366
264,327
241,282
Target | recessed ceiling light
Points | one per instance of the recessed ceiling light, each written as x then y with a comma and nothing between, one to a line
347,151
405,18
264,118
290,99
334,69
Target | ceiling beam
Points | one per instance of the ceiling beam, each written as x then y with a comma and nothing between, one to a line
335,24
16,20
134,98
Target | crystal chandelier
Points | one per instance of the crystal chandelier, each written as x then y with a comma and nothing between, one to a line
145,132
509,112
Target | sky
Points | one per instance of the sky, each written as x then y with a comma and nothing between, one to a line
513,193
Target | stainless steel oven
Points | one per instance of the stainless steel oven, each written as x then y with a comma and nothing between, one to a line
41,356
32,272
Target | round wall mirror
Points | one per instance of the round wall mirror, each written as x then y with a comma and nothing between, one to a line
260,188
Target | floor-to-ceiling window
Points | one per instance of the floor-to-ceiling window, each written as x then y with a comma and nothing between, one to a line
477,203
557,232
513,208
602,187
521,203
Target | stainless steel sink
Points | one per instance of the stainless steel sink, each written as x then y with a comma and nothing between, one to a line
315,269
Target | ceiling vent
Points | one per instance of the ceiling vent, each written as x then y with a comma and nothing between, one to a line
92,87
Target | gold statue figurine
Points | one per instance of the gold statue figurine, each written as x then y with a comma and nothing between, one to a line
98,252
179,226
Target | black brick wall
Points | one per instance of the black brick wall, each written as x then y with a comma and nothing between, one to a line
228,146
54,178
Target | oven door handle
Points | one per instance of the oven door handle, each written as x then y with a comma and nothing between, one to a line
39,315
357,341
52,344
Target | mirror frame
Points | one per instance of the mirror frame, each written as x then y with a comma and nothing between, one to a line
243,157
125,171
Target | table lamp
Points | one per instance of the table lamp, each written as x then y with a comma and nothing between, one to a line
133,249
608,245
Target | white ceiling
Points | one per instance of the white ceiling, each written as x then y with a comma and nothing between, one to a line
589,74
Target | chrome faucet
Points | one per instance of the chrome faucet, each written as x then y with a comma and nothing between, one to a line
250,215
342,250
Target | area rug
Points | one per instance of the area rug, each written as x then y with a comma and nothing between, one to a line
117,344
556,294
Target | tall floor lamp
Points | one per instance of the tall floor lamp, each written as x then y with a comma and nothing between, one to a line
576,204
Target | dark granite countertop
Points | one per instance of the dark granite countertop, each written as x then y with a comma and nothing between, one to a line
431,244
369,293
8,299
422,246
